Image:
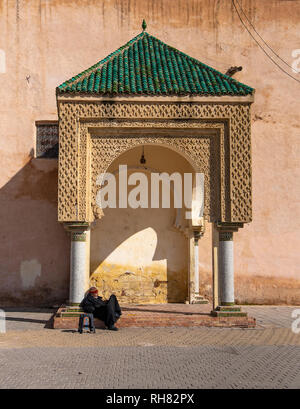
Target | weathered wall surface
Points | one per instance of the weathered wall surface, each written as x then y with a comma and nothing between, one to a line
43,43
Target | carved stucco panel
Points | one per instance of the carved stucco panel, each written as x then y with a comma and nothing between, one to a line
235,182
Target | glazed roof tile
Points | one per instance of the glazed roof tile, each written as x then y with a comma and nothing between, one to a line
148,66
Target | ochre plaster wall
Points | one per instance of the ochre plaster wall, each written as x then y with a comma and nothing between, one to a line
47,42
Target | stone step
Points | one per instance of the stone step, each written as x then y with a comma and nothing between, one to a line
228,311
233,308
228,314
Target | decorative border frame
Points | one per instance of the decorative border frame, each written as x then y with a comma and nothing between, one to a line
99,152
232,121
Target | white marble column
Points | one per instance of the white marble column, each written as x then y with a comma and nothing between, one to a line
226,268
78,261
194,280
196,262
224,300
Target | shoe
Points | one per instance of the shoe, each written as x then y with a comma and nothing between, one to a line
113,328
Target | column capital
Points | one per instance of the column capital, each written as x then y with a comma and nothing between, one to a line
225,235
228,227
198,232
77,230
197,235
76,226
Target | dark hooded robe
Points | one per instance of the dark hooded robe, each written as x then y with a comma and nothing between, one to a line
108,311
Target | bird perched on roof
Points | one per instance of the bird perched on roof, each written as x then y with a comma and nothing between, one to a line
232,70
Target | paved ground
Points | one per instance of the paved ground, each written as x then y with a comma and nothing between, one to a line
151,367
32,356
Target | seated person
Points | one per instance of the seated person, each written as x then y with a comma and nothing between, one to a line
108,311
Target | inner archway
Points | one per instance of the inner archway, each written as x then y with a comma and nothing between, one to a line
142,254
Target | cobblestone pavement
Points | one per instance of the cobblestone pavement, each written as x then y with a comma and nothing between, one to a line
272,316
32,356
151,367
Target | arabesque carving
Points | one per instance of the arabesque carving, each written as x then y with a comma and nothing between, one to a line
224,155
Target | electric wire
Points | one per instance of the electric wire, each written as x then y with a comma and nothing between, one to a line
260,46
270,48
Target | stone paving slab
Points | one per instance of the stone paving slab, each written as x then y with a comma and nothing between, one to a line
151,367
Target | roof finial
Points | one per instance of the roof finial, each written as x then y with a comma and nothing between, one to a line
144,25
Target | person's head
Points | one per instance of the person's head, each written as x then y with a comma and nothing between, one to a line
93,291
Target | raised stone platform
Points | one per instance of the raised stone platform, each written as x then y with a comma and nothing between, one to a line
160,315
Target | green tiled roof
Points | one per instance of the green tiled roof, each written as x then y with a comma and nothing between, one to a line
147,66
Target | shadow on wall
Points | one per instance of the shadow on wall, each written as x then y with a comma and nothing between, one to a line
138,255
34,252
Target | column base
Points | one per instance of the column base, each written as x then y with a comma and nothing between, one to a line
228,311
199,299
73,304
